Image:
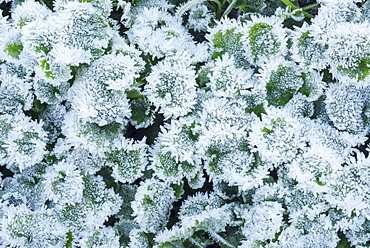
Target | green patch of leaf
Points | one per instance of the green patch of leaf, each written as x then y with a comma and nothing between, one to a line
343,243
13,50
46,67
230,41
247,6
359,72
133,93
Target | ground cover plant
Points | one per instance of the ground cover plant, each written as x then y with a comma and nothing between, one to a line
174,123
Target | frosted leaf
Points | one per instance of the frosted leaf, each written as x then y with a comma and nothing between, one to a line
94,102
314,168
142,116
175,154
128,159
82,159
348,51
53,73
98,93
22,227
137,8
15,90
138,239
307,49
221,117
38,36
232,161
226,191
349,187
23,141
25,187
322,134
199,203
197,181
300,106
64,183
359,236
300,202
257,244
29,11
265,39
226,80
63,55
345,105
333,12
278,138
313,85
171,86
341,221
160,34
251,6
89,136
98,203
53,117
168,168
48,93
282,80
255,99
310,233
120,45
262,221
117,71
104,6
204,217
173,237
87,27
78,30
226,37
365,11
127,193
4,26
266,192
152,205
199,18
205,212
123,228
104,237
12,49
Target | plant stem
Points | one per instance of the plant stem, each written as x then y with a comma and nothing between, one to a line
219,7
222,4
290,4
218,3
187,6
221,239
293,7
311,6
229,8
307,15
196,242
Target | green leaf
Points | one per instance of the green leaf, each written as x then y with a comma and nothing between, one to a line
179,190
230,41
13,50
343,243
133,93
283,84
69,240
359,72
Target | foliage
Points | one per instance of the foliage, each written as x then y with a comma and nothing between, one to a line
155,123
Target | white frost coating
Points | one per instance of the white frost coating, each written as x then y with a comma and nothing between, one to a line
157,129
172,87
